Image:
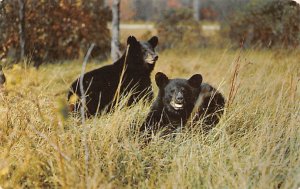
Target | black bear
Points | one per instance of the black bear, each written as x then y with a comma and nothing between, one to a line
177,99
174,103
135,66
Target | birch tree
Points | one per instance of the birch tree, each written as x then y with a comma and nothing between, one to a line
115,30
22,4
196,7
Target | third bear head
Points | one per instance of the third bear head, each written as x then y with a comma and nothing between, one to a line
142,54
177,95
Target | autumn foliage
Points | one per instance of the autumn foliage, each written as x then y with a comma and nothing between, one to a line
54,30
272,24
178,29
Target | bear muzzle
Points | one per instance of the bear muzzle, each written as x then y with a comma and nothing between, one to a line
177,106
177,102
151,59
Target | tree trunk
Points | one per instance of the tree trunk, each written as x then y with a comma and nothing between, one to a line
196,7
115,31
22,27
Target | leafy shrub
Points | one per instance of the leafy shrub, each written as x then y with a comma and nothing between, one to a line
273,24
179,29
54,30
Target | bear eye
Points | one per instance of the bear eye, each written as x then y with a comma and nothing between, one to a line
172,90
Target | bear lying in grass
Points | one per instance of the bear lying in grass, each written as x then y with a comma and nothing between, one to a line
209,107
177,99
100,85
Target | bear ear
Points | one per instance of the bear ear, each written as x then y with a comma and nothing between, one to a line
195,81
153,41
131,40
161,79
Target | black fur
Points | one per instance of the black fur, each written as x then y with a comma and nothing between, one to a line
210,106
2,77
100,85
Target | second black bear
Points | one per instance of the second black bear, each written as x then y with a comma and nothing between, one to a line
174,103
100,85
177,99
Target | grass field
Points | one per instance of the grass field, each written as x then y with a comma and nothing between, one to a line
256,144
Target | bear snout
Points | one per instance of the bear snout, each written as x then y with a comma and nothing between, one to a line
179,98
150,58
177,101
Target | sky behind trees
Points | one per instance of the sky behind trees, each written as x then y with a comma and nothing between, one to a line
152,9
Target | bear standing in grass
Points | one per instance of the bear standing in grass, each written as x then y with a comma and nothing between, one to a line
100,85
177,99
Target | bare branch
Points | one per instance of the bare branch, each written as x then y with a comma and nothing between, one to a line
82,110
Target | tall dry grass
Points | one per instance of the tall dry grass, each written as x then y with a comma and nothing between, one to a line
256,144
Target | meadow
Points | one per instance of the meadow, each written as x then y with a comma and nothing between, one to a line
256,144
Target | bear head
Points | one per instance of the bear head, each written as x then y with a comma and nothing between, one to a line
177,95
141,55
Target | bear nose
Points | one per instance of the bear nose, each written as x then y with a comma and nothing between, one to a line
155,57
179,97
